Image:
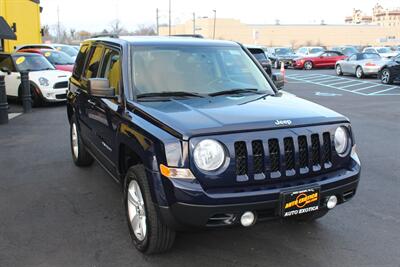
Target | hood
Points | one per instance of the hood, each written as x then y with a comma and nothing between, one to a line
223,114
65,67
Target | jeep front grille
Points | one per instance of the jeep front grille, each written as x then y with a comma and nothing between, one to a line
275,158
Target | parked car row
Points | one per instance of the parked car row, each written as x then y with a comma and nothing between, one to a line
49,67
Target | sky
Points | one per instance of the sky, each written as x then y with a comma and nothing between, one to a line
96,15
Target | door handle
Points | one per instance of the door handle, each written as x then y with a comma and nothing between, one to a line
91,102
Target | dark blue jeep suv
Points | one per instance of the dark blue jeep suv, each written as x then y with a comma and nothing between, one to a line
199,135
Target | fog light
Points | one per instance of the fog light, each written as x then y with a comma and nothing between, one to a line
248,218
331,203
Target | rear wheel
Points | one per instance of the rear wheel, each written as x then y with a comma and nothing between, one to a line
359,72
149,234
386,78
308,65
339,71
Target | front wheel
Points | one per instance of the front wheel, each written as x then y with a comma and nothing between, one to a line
149,234
386,78
80,156
339,71
308,65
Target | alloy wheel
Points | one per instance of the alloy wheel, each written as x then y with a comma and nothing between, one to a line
308,65
74,140
385,76
338,70
136,210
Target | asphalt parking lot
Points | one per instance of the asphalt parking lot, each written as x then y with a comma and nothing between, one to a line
55,214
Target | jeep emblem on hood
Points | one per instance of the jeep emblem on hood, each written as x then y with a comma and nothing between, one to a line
283,122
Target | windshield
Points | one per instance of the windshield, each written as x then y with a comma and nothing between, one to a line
371,56
383,50
316,50
349,51
68,50
58,58
284,51
195,69
33,62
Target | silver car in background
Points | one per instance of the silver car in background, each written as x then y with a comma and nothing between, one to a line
360,65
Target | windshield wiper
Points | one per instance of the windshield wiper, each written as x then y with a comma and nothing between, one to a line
169,94
235,91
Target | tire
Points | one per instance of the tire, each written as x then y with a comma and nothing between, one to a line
385,76
308,65
149,234
37,100
312,216
359,72
80,156
339,71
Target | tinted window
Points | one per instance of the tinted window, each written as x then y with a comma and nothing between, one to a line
6,62
80,61
111,69
93,64
353,57
258,54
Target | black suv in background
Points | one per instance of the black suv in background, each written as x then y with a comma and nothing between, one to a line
199,135
390,72
260,55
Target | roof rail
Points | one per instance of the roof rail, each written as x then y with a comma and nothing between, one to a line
188,35
111,35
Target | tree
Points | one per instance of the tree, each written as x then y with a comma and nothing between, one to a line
116,27
145,30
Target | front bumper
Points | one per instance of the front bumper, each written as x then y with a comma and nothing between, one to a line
54,95
210,209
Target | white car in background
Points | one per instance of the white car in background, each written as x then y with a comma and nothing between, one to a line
67,49
310,51
383,51
46,83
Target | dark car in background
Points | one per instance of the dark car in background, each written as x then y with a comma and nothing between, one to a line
325,59
390,72
199,136
259,53
277,55
346,50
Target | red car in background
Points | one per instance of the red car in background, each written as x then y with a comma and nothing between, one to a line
326,59
60,60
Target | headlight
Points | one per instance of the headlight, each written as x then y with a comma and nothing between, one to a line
341,141
209,155
43,81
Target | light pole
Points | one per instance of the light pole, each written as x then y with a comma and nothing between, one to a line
194,23
215,21
169,18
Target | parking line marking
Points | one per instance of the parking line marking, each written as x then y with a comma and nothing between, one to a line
13,115
382,91
352,81
360,89
341,83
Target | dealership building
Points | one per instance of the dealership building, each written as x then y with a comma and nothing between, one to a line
19,23
294,35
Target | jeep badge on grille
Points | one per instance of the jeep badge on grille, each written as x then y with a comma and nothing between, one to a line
283,122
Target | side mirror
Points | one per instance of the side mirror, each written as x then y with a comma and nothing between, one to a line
6,70
278,80
100,87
